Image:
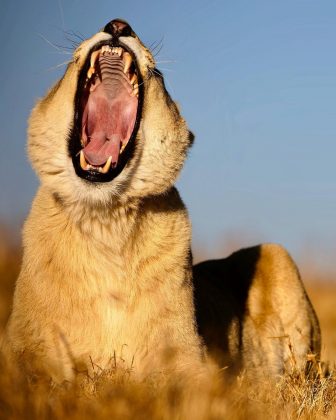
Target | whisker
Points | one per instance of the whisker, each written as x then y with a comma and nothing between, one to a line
64,47
74,44
139,84
165,69
156,47
158,52
61,13
74,34
150,46
59,65
74,38
165,61
60,48
49,42
61,52
170,87
155,44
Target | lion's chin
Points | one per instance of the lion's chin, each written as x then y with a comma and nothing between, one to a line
107,113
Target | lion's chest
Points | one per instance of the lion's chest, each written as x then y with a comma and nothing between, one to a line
101,311
94,309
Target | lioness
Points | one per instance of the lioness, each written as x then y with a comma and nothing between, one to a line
107,270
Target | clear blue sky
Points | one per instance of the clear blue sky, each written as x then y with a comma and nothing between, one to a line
256,80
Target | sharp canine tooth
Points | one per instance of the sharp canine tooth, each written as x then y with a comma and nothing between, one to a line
119,52
90,72
135,90
84,165
106,167
134,79
128,61
122,148
93,58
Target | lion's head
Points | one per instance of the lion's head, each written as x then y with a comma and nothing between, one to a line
108,131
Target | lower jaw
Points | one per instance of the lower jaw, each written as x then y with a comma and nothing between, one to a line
97,175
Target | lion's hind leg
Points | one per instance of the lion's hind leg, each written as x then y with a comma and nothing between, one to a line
277,298
252,310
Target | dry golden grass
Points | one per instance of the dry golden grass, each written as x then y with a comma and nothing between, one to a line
114,393
323,296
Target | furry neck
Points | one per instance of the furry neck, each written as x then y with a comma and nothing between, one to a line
98,221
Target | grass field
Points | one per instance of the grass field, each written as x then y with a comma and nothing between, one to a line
113,393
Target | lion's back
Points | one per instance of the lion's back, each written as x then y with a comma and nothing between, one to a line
252,309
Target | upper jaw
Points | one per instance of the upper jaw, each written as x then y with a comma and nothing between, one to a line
143,56
107,50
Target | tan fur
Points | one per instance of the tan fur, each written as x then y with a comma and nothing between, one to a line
106,272
253,311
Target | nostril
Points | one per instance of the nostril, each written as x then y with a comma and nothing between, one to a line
119,27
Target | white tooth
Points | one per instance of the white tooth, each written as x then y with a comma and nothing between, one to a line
128,61
122,148
106,167
134,79
84,165
90,72
135,90
119,52
94,57
106,49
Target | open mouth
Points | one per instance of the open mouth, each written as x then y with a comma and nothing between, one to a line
107,113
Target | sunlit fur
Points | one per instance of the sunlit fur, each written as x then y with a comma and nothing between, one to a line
106,271
254,312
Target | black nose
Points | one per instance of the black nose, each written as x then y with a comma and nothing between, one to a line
118,27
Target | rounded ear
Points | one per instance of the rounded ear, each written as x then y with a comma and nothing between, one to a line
191,138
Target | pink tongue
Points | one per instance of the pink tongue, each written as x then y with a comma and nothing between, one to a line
109,117
99,149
